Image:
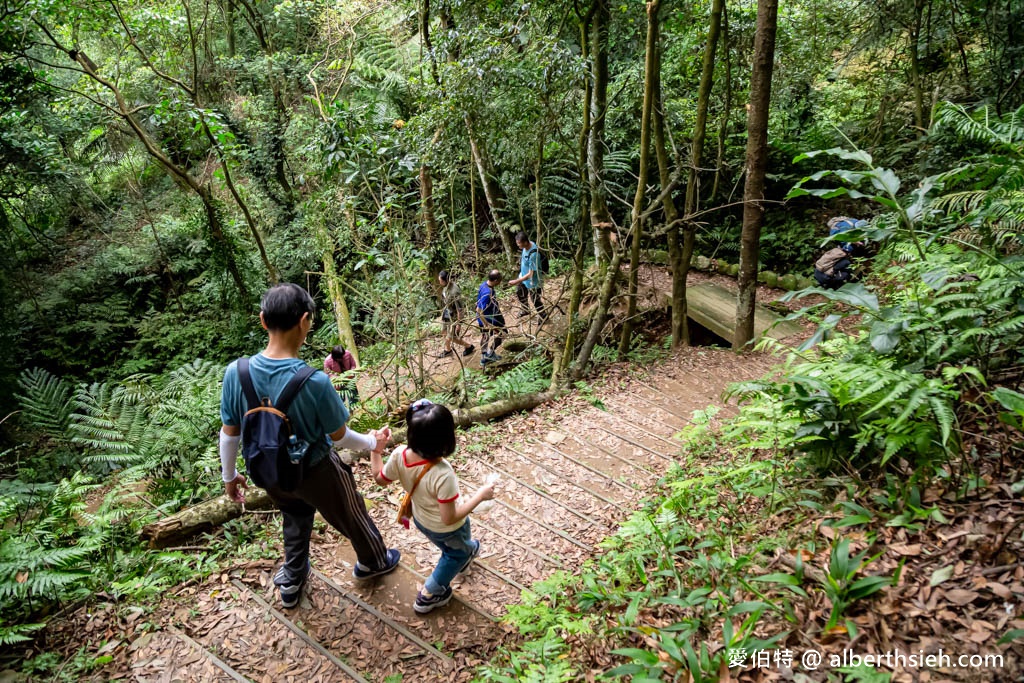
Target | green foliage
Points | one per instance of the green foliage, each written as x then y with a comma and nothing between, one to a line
528,377
45,402
940,319
45,552
843,588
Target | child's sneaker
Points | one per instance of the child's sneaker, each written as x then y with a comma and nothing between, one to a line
362,572
468,351
425,604
290,591
472,556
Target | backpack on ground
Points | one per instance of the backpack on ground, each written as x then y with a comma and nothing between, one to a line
274,456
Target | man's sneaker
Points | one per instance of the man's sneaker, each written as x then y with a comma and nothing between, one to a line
472,556
291,592
445,354
363,572
468,350
424,604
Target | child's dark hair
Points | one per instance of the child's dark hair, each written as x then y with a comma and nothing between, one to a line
338,353
283,306
431,430
445,276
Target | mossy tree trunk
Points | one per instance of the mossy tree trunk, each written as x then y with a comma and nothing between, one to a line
756,165
636,229
600,216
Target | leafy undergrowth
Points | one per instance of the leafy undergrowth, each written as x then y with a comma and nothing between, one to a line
760,570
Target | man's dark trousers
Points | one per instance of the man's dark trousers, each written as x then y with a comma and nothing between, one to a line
526,295
329,488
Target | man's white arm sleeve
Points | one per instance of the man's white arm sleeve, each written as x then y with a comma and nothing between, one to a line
228,456
354,441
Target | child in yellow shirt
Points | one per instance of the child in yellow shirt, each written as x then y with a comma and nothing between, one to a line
431,438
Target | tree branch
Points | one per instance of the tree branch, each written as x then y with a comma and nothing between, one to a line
142,53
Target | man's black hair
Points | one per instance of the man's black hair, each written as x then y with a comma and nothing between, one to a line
522,237
338,353
283,305
431,430
494,276
445,275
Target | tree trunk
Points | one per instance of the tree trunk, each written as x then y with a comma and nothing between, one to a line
222,246
538,218
599,316
229,25
636,228
576,293
492,192
681,266
333,286
211,513
679,326
756,163
600,216
916,77
472,213
723,126
249,220
429,217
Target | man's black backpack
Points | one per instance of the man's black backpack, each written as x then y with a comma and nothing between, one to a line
543,261
274,456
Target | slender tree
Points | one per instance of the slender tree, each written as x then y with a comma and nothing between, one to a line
680,255
636,228
756,164
600,216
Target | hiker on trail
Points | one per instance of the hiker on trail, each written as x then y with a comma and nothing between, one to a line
339,366
317,417
834,269
528,284
433,489
452,314
490,319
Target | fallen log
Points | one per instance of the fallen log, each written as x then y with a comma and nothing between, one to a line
202,517
211,513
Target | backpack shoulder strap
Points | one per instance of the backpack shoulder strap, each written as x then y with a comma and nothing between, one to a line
252,399
291,390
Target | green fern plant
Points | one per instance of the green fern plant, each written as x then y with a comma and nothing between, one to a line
45,402
525,378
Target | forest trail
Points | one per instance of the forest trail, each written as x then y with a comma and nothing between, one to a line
570,474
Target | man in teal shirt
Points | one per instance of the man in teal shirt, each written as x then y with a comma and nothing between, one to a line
528,284
318,417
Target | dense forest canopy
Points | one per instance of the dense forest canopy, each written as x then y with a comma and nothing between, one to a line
163,162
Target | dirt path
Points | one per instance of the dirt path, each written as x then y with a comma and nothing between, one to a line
570,474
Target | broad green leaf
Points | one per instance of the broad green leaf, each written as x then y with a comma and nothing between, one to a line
1010,399
885,179
1011,635
941,575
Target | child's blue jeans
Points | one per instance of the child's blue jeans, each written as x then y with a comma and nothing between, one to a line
456,547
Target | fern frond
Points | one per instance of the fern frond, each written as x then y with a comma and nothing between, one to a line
45,401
